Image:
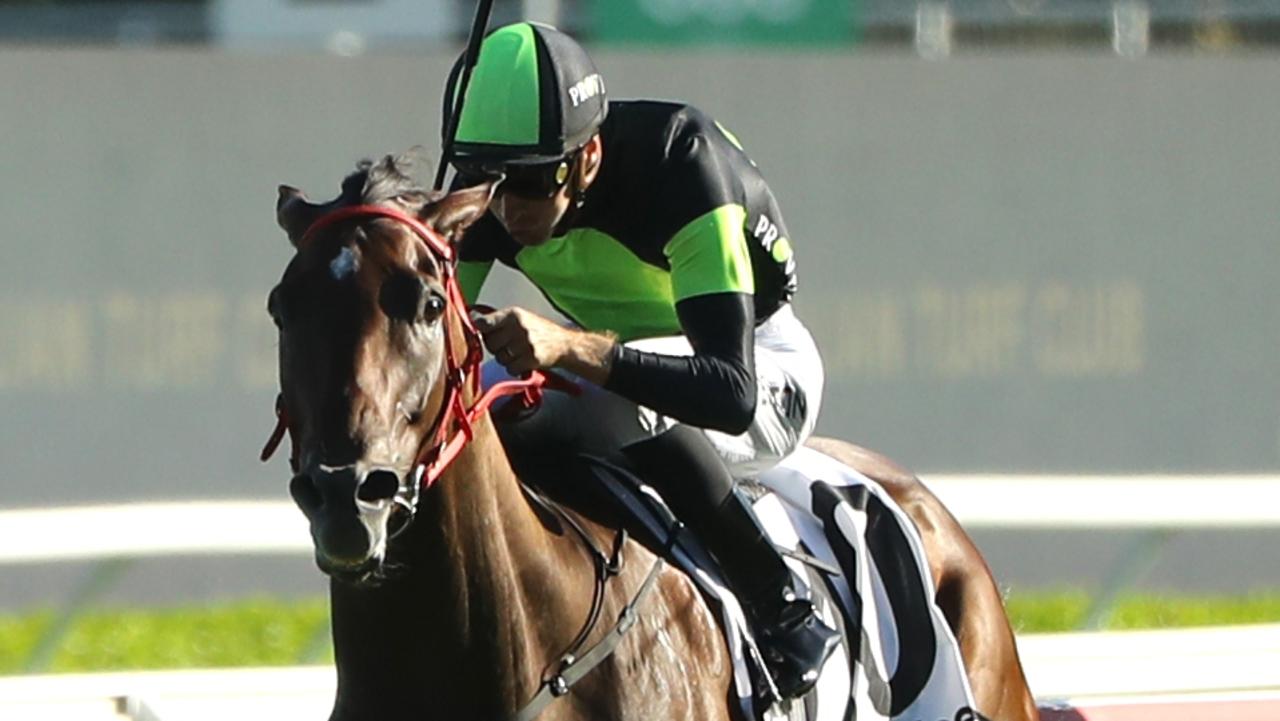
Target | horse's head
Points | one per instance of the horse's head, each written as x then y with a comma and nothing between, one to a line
363,315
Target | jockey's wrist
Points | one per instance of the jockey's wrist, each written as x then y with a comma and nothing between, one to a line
589,356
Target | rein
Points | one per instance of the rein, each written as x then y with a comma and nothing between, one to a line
453,426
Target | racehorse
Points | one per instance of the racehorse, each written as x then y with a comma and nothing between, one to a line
455,591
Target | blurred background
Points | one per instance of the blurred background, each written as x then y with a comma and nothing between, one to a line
1033,236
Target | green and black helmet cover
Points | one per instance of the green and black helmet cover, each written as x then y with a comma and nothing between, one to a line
534,96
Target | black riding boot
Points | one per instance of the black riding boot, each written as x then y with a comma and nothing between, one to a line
793,640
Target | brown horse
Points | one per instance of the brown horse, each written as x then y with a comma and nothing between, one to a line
469,611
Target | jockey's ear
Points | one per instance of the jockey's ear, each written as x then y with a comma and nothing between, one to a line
592,156
455,212
294,214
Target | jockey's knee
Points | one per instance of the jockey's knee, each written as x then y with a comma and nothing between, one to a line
683,466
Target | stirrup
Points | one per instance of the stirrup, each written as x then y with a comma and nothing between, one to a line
795,647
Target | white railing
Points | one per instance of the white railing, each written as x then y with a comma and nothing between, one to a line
135,530
1093,502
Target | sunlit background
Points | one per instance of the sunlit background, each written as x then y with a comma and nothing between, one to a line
1035,237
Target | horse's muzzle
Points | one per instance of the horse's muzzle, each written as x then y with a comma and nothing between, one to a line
348,516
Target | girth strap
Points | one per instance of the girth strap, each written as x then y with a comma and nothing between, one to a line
573,669
574,665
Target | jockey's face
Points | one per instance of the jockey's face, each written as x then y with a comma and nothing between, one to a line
532,220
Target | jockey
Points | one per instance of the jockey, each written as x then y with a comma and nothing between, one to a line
646,225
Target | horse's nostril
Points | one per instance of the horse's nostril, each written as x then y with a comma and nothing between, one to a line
305,493
378,486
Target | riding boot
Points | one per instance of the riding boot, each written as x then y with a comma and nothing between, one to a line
793,640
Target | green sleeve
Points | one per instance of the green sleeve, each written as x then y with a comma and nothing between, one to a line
709,255
471,276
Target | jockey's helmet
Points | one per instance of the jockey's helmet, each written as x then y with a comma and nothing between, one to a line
534,97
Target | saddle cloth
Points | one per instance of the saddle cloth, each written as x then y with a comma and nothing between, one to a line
899,659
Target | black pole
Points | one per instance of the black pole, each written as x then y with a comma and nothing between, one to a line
469,58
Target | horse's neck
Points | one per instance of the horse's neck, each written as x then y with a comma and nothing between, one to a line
501,583
479,518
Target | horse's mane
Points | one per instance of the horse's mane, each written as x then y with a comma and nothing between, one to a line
390,177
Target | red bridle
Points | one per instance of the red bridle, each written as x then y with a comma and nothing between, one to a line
445,444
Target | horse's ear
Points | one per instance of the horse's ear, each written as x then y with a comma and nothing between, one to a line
455,212
294,214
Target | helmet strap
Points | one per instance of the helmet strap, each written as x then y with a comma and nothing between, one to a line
579,191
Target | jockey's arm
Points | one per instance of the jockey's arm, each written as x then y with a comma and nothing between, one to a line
713,388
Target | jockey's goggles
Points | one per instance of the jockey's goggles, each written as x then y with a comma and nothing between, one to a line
537,181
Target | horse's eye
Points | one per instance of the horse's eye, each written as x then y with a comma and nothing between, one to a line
434,307
406,297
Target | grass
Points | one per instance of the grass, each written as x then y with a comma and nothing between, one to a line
1049,612
250,633
274,633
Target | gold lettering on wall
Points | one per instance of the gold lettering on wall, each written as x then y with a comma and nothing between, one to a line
974,331
1089,330
867,337
46,345
163,341
203,340
1053,329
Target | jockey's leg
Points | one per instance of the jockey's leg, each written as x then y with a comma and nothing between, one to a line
687,471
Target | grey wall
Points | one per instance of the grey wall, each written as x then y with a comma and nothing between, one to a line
1046,263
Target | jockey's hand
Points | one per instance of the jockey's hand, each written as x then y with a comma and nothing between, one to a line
523,341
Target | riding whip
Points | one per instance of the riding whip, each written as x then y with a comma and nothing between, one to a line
478,28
